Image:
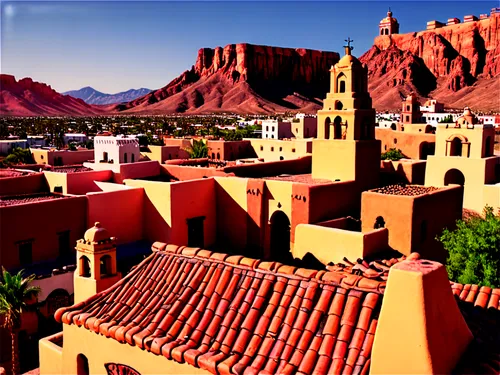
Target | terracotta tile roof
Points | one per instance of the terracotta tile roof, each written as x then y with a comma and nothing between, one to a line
481,310
230,314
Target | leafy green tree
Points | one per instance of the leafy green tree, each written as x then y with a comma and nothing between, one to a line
446,120
474,250
18,156
198,150
392,154
15,292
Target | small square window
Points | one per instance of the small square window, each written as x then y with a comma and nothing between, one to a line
293,150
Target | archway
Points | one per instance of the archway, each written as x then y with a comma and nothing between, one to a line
456,147
82,365
56,299
84,265
337,127
105,265
327,127
393,126
280,237
454,176
379,223
341,82
338,105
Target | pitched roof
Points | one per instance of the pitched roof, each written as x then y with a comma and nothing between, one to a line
234,314
231,314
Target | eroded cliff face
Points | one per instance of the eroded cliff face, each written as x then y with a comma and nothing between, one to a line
458,56
269,71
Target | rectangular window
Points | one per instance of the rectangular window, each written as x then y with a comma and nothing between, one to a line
64,244
25,252
293,150
281,148
272,148
261,148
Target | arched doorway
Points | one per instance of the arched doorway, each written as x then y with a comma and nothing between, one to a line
456,147
337,127
82,365
327,127
454,176
280,237
56,299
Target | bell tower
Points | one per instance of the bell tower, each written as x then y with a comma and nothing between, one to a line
96,263
388,25
346,148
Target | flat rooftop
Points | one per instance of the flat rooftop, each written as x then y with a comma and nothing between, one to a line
13,200
408,190
71,169
299,178
5,173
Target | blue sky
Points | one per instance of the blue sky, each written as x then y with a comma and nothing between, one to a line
118,45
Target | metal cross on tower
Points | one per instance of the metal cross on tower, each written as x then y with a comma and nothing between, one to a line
348,47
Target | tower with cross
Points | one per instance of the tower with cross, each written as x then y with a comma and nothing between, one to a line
346,148
389,25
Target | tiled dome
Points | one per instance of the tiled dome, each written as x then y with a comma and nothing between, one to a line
96,234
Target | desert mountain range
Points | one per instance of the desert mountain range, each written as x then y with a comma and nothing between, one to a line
91,96
458,65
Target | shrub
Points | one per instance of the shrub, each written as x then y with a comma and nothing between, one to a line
198,150
392,154
474,250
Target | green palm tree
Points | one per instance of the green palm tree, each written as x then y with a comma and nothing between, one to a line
198,150
15,291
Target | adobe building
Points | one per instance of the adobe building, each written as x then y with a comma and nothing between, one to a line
412,135
389,25
185,310
464,156
55,157
346,148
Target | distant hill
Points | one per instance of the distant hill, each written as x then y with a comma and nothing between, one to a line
91,96
243,78
459,65
28,98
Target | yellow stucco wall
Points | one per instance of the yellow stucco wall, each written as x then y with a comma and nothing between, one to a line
232,208
333,244
55,179
273,149
476,136
476,171
100,350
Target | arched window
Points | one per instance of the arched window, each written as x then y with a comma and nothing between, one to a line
280,237
218,156
341,82
454,176
132,158
82,365
337,127
381,31
84,265
379,223
105,265
213,155
125,158
393,126
338,105
327,128
456,147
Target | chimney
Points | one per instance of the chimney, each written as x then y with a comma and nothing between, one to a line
420,329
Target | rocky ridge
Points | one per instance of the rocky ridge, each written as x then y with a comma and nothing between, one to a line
28,98
457,64
244,78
